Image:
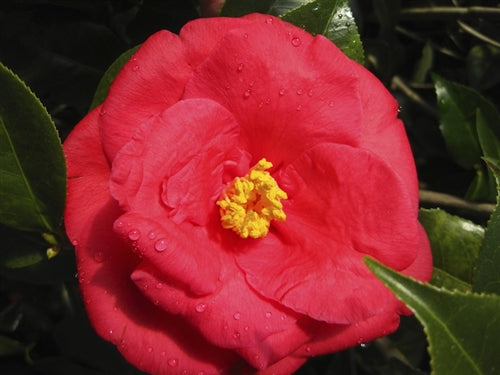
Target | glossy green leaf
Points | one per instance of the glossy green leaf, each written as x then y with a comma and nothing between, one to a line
488,131
108,77
443,279
332,18
488,264
32,168
457,111
455,242
462,328
236,8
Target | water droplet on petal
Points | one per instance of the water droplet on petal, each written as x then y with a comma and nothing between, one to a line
135,68
251,83
299,107
201,307
103,112
310,93
283,317
134,234
299,92
331,104
201,373
99,256
173,362
237,316
247,94
269,20
246,328
161,245
152,235
240,67
308,349
236,335
110,332
150,350
282,92
296,41
159,286
268,314
119,224
74,242
245,36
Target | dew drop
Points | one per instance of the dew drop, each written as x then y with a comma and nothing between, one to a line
159,286
308,349
134,234
201,307
283,317
296,41
310,93
268,314
236,335
103,112
300,92
156,302
247,94
251,83
135,68
173,362
110,332
161,245
331,104
268,101
119,224
150,350
282,92
201,373
74,242
299,107
99,256
240,67
152,235
237,316
246,328
269,21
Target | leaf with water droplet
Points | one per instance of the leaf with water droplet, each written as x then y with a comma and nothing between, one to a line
332,18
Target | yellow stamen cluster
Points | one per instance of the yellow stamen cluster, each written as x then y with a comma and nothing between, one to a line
250,202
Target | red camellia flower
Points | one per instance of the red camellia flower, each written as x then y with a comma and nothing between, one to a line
222,198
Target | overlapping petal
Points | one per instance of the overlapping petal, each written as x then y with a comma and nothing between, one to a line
152,339
338,210
287,90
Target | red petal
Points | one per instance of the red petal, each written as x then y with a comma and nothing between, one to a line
343,203
232,317
180,157
87,176
151,81
331,337
288,90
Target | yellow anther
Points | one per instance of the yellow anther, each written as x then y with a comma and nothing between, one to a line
250,202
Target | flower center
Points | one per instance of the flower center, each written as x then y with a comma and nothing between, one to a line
249,203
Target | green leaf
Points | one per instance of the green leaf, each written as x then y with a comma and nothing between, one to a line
462,328
10,346
443,279
457,111
455,242
236,8
32,168
332,18
108,77
488,131
488,263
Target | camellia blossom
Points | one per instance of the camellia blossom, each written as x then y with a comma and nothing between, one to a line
222,198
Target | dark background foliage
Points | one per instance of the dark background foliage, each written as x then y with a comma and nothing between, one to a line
61,49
